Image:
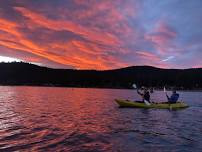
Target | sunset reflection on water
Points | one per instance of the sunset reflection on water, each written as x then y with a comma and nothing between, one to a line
70,119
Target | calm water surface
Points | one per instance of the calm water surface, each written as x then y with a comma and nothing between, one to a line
85,120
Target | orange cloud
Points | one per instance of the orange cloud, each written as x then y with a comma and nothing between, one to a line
90,34
95,36
82,58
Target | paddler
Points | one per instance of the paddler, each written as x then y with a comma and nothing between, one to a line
174,97
145,95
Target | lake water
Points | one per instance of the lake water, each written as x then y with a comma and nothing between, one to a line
85,120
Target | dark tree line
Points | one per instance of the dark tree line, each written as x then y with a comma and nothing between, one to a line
29,74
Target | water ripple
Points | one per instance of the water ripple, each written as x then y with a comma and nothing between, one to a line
88,120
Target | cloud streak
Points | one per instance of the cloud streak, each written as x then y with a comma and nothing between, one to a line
97,34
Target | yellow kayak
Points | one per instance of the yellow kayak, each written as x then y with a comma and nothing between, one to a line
133,104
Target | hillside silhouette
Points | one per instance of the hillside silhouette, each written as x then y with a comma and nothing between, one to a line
19,73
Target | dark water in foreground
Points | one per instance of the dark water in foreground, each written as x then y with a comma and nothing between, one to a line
84,120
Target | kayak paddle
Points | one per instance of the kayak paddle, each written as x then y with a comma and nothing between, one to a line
134,86
164,90
147,103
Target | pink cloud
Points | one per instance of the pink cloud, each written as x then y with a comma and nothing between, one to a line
83,55
95,35
147,58
162,37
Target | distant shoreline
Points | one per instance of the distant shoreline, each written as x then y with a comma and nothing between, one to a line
24,74
79,87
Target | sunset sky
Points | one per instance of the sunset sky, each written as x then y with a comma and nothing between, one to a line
102,34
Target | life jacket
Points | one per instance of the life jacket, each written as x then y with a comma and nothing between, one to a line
174,97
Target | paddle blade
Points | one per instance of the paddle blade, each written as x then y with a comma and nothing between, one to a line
134,86
147,103
164,89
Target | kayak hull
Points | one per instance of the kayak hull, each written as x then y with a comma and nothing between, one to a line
132,104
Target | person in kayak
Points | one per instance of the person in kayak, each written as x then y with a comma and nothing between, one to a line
145,95
173,98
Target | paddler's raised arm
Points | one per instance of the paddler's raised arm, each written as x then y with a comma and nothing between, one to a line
139,92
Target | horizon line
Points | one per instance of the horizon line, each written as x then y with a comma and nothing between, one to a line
43,66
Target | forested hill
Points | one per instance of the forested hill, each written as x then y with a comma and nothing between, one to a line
29,74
